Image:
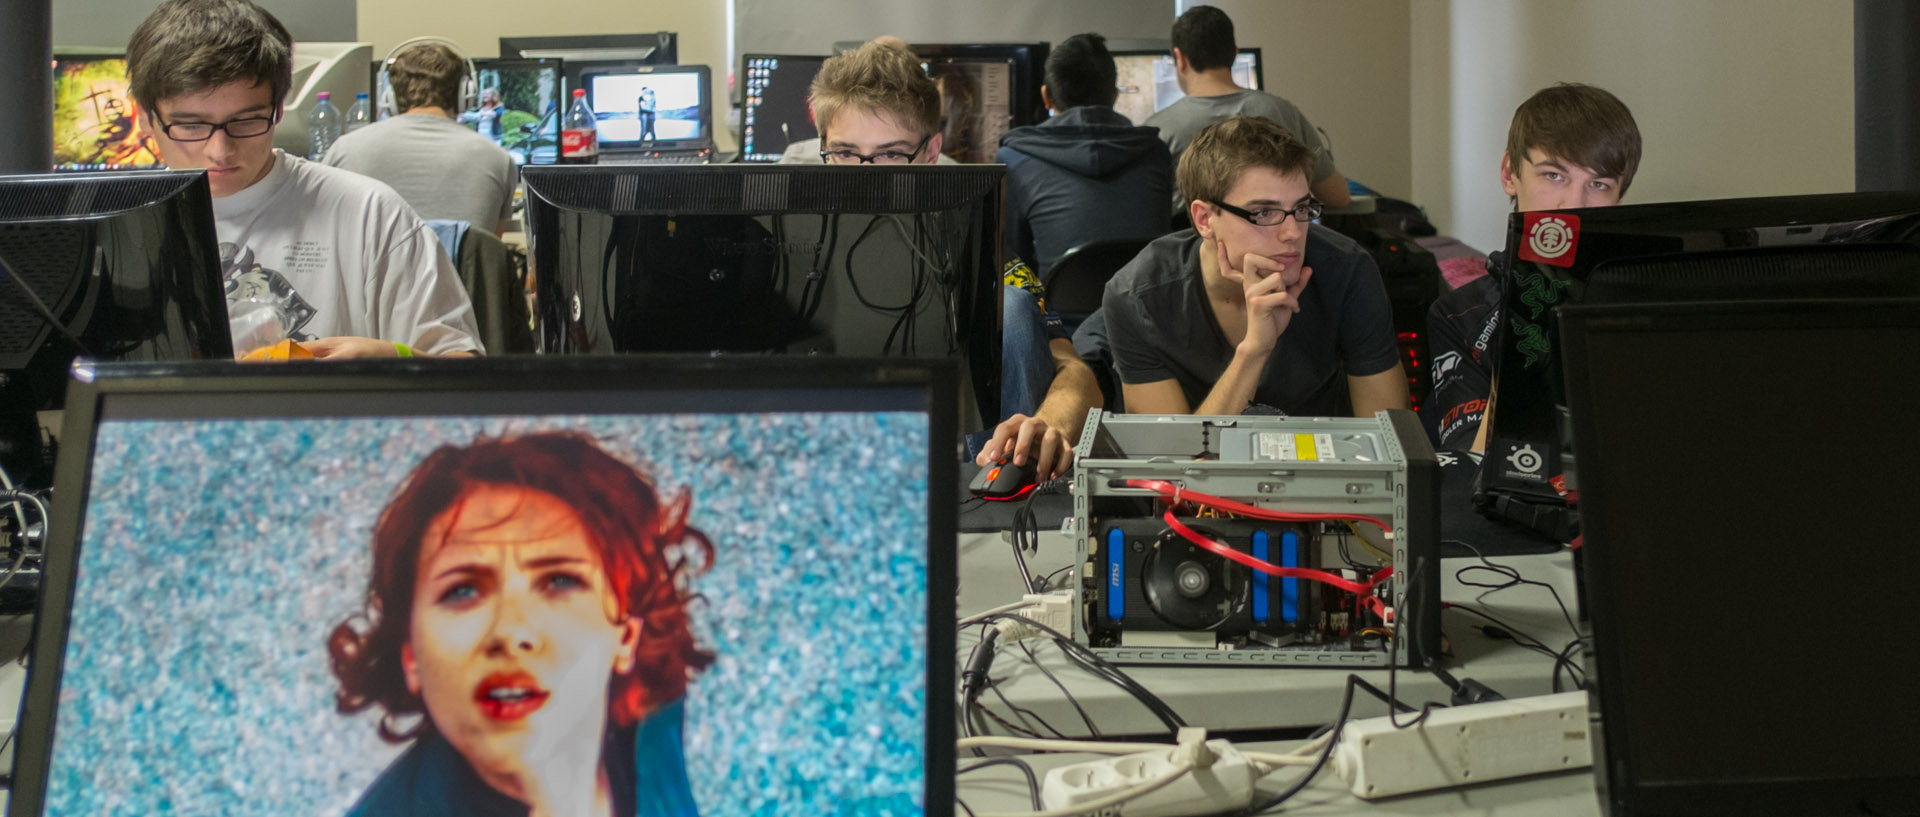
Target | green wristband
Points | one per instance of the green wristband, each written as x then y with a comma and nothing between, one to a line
402,350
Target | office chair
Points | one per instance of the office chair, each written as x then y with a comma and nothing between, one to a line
1076,281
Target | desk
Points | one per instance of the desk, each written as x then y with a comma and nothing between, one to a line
1245,703
1250,700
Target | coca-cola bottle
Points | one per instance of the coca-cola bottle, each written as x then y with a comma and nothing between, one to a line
579,136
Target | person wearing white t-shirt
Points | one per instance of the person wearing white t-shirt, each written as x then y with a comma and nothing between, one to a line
354,272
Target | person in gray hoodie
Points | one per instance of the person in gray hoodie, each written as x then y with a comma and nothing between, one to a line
1087,173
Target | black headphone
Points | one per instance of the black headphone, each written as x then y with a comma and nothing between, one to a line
469,83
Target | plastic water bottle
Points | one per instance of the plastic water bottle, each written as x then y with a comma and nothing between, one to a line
360,115
323,126
579,134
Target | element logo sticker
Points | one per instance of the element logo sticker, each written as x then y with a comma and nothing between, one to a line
1551,238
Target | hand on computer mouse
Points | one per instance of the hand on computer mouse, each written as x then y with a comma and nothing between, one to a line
1032,443
1001,479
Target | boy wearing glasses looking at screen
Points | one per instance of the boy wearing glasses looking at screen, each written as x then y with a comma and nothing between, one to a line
354,271
876,105
1253,305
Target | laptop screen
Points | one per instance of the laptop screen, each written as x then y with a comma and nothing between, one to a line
630,588
655,109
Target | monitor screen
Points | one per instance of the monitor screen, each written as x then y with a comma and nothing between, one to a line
96,123
111,266
1691,512
994,74
774,108
519,108
650,106
897,261
617,587
976,105
1148,84
1732,249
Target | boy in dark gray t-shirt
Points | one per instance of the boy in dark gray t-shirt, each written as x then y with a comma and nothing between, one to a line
1252,305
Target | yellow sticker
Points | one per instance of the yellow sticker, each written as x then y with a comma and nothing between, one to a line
1303,443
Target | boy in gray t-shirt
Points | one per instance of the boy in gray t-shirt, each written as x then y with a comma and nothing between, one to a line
444,169
1203,54
1254,305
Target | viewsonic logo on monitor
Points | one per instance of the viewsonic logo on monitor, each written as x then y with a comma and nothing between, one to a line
1551,238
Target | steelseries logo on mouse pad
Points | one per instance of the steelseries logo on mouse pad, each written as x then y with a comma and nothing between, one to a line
1551,238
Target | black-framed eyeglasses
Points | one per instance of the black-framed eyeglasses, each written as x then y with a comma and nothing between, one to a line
245,128
885,157
1274,216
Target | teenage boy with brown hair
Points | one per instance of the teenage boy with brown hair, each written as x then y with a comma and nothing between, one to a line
1569,146
1254,305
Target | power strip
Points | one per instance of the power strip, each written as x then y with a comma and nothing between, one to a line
1462,745
1224,785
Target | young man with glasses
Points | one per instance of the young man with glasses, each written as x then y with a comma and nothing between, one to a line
353,270
876,105
1253,305
1568,146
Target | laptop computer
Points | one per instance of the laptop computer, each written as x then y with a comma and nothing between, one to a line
1740,470
640,585
652,114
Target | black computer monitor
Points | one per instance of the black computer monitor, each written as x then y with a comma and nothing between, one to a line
735,576
519,107
1836,245
1147,82
96,123
110,266
797,260
986,89
1732,456
774,109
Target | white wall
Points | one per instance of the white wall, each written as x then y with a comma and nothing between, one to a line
1345,64
477,26
1733,97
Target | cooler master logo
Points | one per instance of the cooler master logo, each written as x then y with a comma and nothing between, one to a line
1444,365
1551,238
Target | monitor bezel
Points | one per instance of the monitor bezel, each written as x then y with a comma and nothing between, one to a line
95,387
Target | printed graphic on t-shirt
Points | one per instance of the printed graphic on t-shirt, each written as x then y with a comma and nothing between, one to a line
247,280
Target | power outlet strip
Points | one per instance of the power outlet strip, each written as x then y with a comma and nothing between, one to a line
1225,785
1463,745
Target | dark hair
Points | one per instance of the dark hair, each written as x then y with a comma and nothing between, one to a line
186,46
642,544
427,75
1080,72
1220,152
1581,124
1205,35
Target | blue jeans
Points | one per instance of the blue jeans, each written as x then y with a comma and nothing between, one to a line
1026,364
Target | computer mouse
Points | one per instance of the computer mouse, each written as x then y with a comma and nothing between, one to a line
1002,480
